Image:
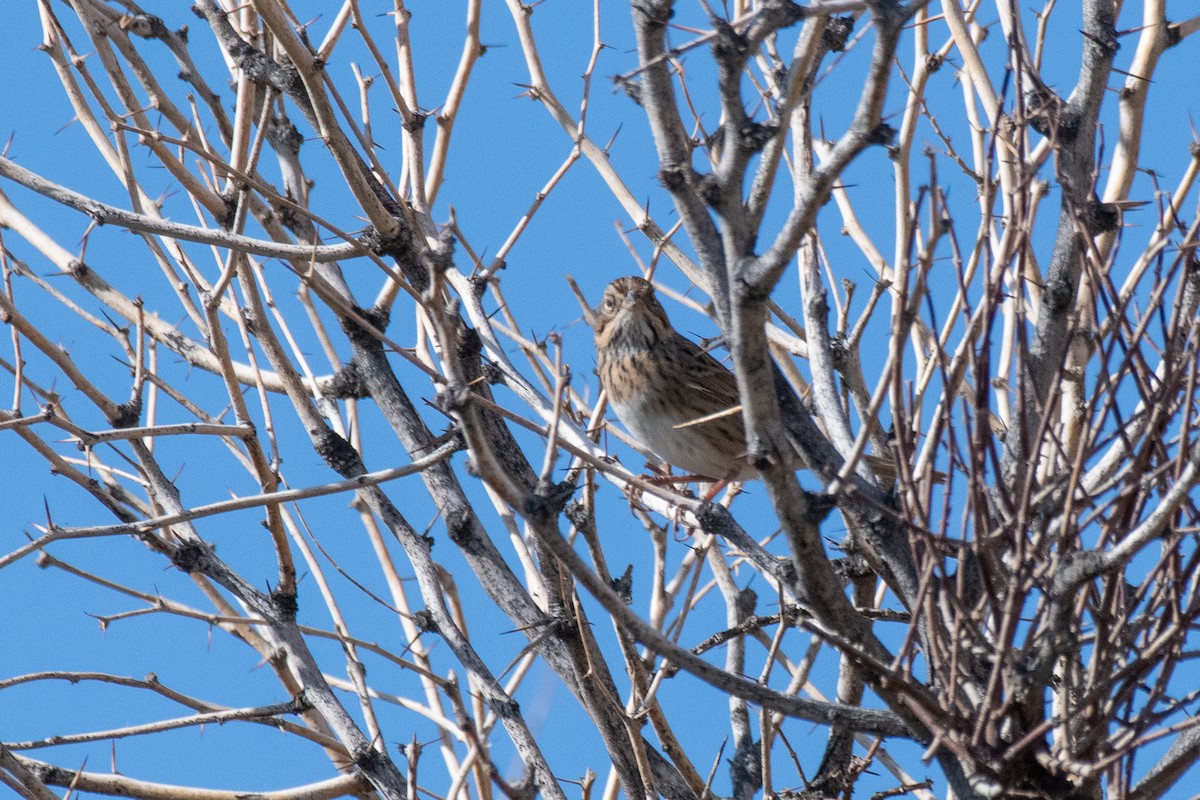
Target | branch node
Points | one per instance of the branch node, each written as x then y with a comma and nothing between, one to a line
191,557
1103,217
837,33
883,134
285,603
674,178
347,383
547,500
337,452
128,414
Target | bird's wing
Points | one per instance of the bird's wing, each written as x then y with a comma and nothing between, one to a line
712,380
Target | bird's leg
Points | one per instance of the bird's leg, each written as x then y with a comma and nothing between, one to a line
659,477
719,485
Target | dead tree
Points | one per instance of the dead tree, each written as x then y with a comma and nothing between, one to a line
989,550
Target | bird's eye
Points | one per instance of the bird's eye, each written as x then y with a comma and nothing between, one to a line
610,303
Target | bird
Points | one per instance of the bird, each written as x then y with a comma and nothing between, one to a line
673,395
670,393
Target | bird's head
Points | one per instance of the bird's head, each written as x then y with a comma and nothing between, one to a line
628,302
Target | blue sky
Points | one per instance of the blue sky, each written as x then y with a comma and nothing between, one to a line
506,147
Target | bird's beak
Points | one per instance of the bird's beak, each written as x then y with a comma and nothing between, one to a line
589,315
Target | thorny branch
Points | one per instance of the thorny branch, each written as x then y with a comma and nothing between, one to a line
1004,430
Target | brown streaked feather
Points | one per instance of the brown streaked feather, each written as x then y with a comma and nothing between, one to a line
671,394
709,377
659,384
